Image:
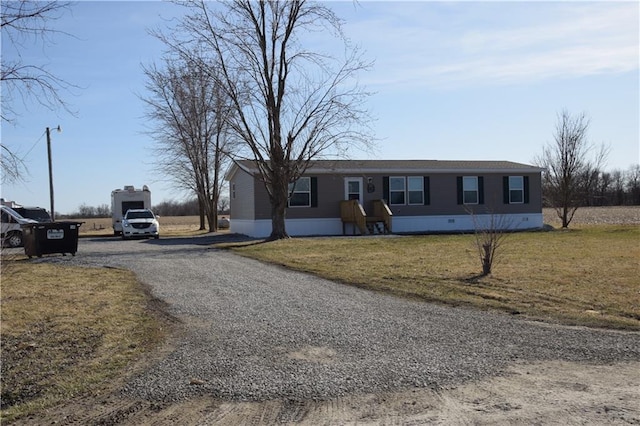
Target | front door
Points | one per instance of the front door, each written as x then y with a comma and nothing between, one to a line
353,189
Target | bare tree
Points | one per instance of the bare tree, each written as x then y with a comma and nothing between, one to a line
22,21
190,112
223,204
490,232
633,185
291,104
11,165
570,171
617,195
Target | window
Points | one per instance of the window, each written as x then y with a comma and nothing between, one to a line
353,189
516,190
416,189
233,191
401,190
300,193
396,190
470,189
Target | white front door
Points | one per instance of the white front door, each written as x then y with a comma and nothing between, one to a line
353,189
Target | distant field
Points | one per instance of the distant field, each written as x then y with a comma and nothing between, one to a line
169,225
616,215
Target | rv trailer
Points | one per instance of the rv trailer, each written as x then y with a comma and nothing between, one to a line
126,199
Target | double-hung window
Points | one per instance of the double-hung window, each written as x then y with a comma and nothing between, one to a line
415,186
516,189
470,189
300,193
396,190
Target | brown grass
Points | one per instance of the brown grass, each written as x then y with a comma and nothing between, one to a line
68,331
585,276
169,226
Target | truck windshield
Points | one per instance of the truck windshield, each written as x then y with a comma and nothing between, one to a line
40,215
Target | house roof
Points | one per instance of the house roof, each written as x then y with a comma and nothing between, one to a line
403,166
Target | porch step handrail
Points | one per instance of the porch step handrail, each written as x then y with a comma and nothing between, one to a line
351,211
382,210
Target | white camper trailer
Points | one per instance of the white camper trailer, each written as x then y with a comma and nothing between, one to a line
125,199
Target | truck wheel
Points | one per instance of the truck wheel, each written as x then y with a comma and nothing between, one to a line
15,239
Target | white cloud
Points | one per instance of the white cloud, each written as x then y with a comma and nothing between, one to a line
447,45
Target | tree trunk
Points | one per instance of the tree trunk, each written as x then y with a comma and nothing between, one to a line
212,216
565,217
278,215
487,260
201,213
279,198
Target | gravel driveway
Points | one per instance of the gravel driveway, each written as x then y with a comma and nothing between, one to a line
251,331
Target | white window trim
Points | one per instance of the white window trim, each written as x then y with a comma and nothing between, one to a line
521,189
404,191
408,198
294,192
477,190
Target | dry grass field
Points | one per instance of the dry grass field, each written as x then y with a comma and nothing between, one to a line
169,226
616,215
69,331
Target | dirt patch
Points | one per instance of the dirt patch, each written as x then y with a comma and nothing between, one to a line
321,355
543,393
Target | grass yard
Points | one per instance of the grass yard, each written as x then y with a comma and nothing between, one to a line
587,275
68,331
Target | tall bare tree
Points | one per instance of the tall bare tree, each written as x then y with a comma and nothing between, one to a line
292,104
23,21
572,162
633,185
190,113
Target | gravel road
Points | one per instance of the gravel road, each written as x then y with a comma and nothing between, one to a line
253,332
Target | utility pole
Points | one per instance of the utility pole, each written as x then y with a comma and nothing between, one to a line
51,171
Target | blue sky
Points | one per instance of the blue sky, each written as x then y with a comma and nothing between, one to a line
451,80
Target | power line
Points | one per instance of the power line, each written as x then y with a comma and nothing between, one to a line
34,145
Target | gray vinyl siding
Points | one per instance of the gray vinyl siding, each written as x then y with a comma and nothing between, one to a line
443,197
262,203
242,205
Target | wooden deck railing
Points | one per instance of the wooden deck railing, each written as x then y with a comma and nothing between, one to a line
382,210
352,212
